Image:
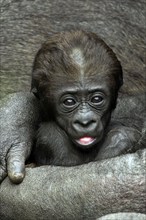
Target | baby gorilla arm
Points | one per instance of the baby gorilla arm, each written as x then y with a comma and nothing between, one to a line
119,140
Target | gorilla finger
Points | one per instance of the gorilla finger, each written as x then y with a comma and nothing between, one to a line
16,163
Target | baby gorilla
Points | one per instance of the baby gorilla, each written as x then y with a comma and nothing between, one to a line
76,78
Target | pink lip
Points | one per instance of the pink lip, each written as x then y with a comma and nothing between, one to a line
85,141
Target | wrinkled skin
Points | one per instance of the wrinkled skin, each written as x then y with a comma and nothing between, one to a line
25,25
81,192
19,115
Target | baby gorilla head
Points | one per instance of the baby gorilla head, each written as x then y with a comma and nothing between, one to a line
76,77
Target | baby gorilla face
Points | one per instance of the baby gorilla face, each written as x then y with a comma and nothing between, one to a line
83,111
77,77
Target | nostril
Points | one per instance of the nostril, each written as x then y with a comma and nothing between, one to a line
88,123
84,123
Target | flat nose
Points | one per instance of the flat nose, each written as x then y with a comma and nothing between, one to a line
84,121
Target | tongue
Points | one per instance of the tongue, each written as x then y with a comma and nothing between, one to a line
86,140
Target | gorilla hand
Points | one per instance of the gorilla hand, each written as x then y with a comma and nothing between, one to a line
19,116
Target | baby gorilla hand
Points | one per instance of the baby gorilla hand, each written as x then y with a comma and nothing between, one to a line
119,140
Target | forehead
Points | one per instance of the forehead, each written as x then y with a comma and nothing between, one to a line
81,86
81,71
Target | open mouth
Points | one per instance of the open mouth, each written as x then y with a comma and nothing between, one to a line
86,141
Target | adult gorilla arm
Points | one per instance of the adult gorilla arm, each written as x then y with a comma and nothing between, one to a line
81,192
19,117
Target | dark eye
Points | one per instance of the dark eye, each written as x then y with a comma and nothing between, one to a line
69,102
97,99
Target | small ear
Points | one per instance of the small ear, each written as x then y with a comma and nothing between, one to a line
38,78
